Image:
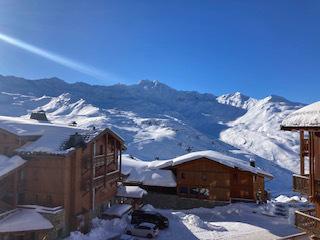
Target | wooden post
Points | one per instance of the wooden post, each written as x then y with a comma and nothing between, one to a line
311,165
15,189
105,158
120,164
302,152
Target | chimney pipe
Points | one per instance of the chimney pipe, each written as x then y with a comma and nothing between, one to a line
252,163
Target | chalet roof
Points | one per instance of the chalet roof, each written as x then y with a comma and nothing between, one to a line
306,117
211,155
117,210
24,220
130,191
152,177
49,137
8,164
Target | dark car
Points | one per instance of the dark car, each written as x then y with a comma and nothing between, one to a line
140,216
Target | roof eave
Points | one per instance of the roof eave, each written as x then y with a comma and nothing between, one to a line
300,128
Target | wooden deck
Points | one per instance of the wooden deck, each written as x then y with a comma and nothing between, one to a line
306,221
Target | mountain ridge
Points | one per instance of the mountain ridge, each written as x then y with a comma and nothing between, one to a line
158,121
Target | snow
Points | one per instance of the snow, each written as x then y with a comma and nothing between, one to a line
258,131
293,199
152,177
158,122
24,220
243,221
43,209
117,210
102,230
237,100
214,156
50,136
130,192
234,221
8,164
308,116
140,173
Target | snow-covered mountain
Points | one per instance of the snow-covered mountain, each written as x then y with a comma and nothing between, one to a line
160,122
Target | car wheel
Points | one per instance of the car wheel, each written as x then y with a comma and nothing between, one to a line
129,232
149,236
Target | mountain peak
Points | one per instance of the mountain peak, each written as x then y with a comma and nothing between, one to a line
149,84
237,99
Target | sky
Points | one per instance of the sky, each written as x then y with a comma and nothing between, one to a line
255,47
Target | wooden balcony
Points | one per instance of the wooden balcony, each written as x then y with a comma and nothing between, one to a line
100,180
301,184
308,222
99,160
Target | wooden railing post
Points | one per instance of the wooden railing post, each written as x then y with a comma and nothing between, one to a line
302,152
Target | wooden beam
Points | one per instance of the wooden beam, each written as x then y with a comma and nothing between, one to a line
105,157
302,148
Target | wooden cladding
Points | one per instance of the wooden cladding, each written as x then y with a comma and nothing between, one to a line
301,184
206,179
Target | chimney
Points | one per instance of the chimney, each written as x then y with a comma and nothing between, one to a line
252,163
40,116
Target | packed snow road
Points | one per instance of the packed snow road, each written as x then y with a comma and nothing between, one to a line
243,221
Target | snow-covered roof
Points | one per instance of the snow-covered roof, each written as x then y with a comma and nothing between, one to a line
308,116
140,173
43,209
8,164
50,136
152,177
211,155
117,210
23,220
130,192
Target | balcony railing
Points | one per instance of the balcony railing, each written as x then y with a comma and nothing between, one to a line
307,221
301,184
99,160
100,180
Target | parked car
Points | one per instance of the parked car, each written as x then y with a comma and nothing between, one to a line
140,216
148,230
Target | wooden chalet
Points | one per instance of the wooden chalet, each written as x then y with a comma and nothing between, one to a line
213,176
306,121
206,175
66,168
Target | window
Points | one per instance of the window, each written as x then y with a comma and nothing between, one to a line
183,176
22,175
101,150
183,190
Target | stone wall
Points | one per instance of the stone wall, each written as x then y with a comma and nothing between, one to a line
171,201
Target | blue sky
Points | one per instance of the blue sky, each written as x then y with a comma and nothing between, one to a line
255,47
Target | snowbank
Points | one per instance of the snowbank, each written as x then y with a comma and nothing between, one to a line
101,230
